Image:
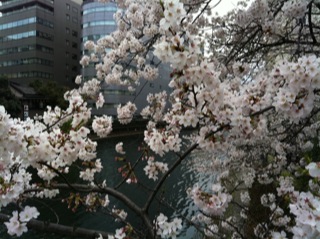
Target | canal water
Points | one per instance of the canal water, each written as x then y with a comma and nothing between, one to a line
174,192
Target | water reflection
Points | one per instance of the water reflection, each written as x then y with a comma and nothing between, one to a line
174,193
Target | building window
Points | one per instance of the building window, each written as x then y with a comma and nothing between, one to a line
67,42
67,54
29,74
74,33
18,36
74,45
67,30
18,23
24,48
75,20
100,9
45,35
26,21
27,61
68,17
99,23
75,10
68,6
44,22
92,37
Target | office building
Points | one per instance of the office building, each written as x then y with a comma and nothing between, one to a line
40,40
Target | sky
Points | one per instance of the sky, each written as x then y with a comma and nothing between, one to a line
225,6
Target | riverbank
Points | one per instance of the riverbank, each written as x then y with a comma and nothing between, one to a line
136,127
117,134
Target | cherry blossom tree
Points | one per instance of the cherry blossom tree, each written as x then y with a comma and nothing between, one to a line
246,85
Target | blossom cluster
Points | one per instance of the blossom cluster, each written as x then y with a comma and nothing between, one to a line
211,204
122,233
102,126
168,229
153,168
295,8
296,96
155,109
17,224
306,211
119,148
174,13
126,112
50,145
120,214
161,141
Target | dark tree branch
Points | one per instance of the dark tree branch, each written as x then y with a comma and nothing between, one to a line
60,229
120,196
240,47
130,171
203,9
310,23
166,175
59,173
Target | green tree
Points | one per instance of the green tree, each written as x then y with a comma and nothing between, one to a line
52,91
8,99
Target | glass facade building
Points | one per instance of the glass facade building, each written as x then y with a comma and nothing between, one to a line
97,22
40,40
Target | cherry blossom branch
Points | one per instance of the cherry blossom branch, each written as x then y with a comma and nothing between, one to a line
120,219
290,137
198,227
310,22
203,9
262,111
60,229
110,191
59,120
235,51
130,171
227,222
59,173
166,175
183,156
